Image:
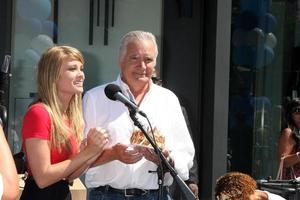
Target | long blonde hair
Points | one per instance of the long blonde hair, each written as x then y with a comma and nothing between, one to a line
48,72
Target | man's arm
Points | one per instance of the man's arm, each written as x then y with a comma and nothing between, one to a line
193,180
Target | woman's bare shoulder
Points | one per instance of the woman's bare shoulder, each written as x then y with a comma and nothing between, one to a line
286,134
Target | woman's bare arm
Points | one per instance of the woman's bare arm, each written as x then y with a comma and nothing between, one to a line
8,170
286,146
45,173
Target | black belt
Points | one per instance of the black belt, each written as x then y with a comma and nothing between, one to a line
126,192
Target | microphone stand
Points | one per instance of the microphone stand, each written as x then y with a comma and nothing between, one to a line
163,162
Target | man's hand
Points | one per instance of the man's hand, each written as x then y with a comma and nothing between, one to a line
194,188
127,154
150,155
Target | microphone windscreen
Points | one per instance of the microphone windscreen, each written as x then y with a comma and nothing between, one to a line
110,91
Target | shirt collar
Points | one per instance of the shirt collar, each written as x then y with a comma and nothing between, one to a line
126,90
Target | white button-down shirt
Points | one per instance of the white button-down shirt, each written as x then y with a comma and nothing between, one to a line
164,112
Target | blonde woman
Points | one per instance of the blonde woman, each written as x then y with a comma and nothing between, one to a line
53,127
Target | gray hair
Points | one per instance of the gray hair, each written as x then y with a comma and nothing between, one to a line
136,35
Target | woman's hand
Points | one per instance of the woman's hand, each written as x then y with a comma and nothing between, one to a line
96,140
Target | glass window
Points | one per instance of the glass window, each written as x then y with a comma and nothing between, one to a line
94,27
264,73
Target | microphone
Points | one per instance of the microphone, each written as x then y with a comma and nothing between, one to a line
4,75
5,64
114,92
3,116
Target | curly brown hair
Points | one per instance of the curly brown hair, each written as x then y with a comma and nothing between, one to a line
235,186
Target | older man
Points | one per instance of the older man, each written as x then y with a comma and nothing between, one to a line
126,170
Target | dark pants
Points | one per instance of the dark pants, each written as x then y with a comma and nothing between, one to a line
57,191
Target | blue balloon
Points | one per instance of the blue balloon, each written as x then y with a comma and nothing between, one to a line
40,43
265,56
247,20
269,55
239,37
30,26
255,37
267,22
271,40
258,7
261,103
31,57
49,28
240,111
39,9
253,57
243,55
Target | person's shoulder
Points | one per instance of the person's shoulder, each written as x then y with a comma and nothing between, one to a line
37,112
272,196
286,132
95,92
96,89
164,91
37,109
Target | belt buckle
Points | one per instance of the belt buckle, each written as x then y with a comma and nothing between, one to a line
144,191
127,195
